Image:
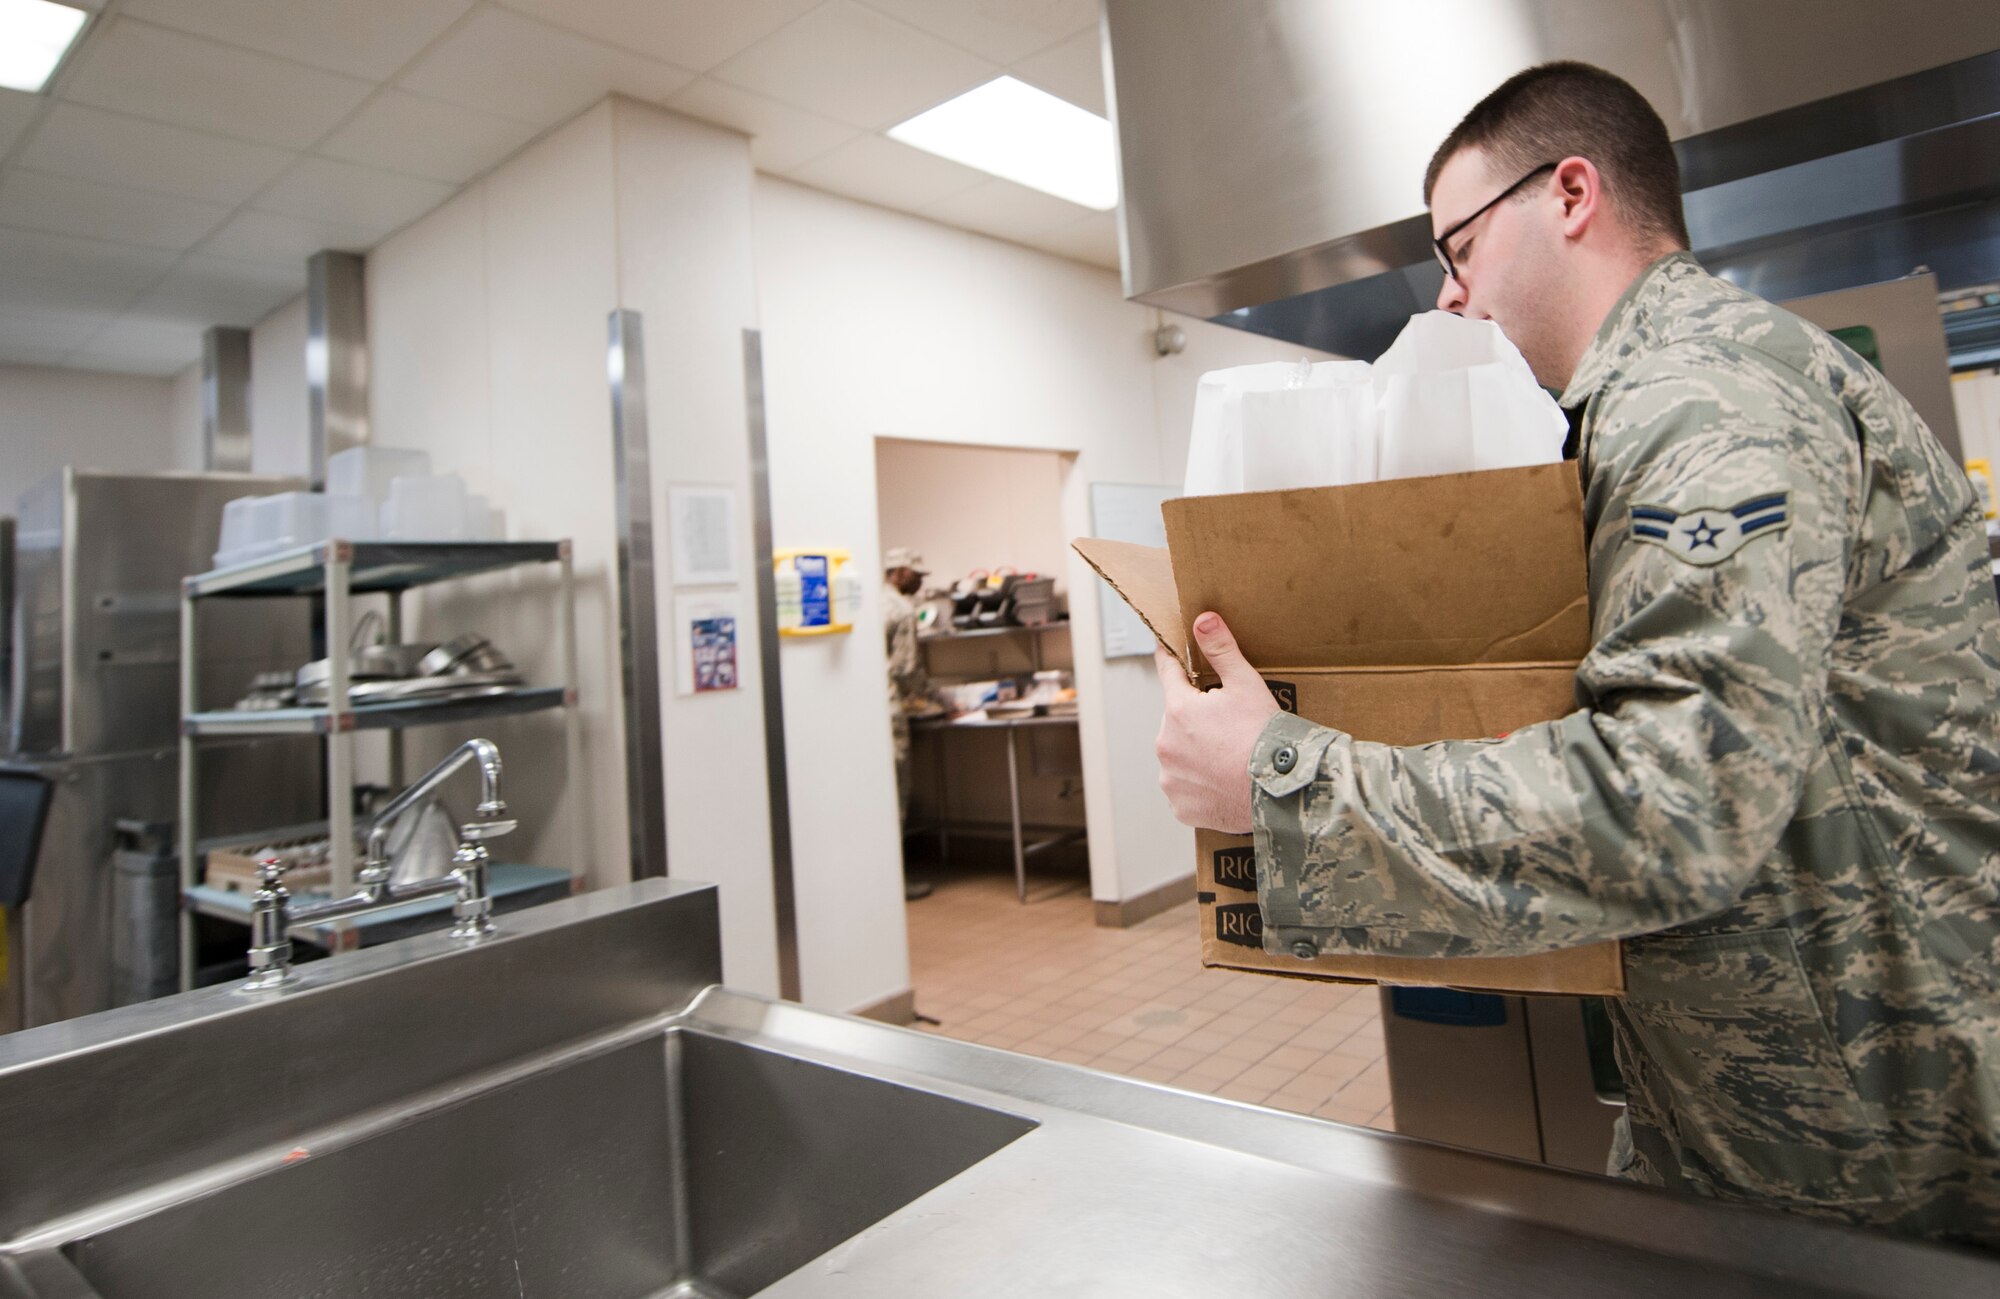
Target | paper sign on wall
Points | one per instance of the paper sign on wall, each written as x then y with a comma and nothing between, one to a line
703,520
705,634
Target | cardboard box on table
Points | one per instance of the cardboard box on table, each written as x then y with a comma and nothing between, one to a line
1403,612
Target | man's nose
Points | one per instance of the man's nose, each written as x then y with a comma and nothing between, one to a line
1451,295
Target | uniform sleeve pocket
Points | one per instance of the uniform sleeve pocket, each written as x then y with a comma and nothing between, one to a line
1761,1103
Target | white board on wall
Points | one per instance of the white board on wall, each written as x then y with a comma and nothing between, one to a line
1127,512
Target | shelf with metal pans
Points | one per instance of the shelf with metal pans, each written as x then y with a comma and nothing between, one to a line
373,566
476,704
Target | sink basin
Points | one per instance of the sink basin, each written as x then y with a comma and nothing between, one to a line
683,1164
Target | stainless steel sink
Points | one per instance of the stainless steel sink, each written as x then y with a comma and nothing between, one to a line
680,1164
575,1108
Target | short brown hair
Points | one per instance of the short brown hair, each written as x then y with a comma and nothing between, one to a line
1556,110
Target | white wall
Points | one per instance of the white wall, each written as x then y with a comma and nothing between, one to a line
967,508
883,325
279,415
53,417
184,419
485,345
487,324
685,264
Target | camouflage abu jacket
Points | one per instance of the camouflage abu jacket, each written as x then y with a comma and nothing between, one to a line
1781,785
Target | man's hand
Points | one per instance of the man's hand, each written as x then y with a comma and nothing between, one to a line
1206,737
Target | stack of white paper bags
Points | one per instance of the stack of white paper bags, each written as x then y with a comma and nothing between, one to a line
1449,396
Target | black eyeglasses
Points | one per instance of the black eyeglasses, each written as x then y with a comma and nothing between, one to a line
1444,253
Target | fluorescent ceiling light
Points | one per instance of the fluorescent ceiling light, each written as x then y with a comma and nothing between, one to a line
34,36
1019,133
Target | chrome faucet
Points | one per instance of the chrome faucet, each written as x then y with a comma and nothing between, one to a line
272,917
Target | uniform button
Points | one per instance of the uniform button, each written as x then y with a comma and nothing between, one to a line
1285,759
1304,949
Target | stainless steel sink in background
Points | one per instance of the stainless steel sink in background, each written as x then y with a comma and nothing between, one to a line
575,1108
678,1164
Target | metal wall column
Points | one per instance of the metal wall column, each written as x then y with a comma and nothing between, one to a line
638,626
225,400
336,358
783,894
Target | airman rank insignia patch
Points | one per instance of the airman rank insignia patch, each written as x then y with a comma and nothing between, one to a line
1709,536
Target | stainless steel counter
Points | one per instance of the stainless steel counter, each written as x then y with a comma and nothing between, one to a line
575,1110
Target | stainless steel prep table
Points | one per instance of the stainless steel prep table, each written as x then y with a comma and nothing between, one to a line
1012,726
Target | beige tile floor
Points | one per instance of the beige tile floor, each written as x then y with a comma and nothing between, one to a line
1044,979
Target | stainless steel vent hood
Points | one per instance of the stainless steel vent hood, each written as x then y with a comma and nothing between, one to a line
1272,151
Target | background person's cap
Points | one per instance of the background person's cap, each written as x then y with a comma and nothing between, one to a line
902,557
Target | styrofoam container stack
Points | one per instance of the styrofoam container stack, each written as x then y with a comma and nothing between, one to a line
368,471
426,507
482,519
256,526
237,543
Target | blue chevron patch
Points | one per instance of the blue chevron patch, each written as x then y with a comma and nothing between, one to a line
1709,535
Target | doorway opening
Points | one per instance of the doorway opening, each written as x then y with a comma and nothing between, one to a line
982,670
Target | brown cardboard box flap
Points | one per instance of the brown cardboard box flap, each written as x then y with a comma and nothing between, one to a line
1413,571
1144,577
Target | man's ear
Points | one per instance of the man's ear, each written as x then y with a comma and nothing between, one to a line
1580,188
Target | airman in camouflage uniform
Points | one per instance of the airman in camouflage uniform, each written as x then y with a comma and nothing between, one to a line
1781,788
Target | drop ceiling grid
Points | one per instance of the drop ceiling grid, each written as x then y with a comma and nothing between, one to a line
401,116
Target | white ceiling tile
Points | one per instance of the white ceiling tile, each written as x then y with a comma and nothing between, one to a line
365,198
856,66
363,38
284,240
1001,30
153,72
17,109
28,256
403,132
35,200
781,137
48,332
22,292
504,63
120,150
222,291
695,34
1004,209
1072,70
880,170
135,345
1093,239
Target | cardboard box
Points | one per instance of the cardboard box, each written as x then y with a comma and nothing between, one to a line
1403,612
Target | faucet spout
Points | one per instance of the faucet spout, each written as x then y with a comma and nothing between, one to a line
490,819
273,915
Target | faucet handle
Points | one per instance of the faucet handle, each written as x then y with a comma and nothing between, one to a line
270,956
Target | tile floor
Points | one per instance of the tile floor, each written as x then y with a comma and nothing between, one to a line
1045,980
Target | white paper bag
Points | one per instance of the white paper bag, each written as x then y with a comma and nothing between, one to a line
1320,435
1264,423
1454,395
1450,395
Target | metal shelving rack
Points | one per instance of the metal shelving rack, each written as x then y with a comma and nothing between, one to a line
336,572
